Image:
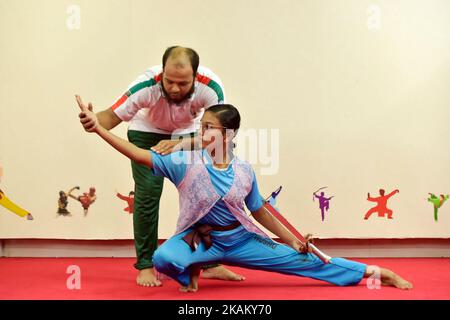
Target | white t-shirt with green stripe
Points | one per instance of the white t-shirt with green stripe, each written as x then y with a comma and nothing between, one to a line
145,107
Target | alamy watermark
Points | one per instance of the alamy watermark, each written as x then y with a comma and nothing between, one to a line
74,280
73,21
374,17
259,147
374,281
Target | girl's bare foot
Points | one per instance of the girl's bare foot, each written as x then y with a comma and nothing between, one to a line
221,273
388,278
397,282
147,278
193,285
191,288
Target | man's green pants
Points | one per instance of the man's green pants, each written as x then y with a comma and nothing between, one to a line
147,193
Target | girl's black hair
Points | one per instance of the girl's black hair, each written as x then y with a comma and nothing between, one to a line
227,114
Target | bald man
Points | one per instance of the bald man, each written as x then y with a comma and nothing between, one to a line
163,105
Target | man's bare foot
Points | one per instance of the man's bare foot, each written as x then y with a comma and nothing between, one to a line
147,278
221,273
29,216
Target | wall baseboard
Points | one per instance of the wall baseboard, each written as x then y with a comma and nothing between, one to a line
362,248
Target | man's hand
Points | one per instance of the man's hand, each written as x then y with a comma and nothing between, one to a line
87,117
167,146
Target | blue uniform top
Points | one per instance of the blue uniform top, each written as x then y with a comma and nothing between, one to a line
173,167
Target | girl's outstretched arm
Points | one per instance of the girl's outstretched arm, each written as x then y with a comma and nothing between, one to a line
266,219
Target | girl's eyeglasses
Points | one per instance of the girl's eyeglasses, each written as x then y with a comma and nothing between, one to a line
208,126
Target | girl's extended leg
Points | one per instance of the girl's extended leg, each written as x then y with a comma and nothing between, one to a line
387,277
256,252
261,253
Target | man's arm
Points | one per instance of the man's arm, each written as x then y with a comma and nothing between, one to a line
126,148
108,119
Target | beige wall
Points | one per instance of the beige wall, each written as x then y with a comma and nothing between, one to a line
358,91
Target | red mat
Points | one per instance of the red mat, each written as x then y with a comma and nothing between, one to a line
114,279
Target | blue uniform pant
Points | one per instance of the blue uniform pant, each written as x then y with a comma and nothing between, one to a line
245,249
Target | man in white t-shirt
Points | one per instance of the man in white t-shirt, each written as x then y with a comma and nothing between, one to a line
162,106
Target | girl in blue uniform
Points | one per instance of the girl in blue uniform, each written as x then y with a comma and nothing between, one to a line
213,228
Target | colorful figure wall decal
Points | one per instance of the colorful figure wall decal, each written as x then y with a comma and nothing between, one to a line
437,203
63,201
11,206
324,202
86,199
129,200
381,206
